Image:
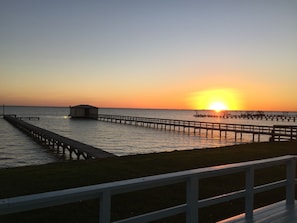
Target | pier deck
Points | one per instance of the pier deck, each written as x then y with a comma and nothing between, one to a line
57,142
276,133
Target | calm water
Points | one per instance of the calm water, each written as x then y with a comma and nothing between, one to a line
17,149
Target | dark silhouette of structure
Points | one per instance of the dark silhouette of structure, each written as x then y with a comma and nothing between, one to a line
84,111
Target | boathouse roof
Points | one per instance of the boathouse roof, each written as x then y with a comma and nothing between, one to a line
83,106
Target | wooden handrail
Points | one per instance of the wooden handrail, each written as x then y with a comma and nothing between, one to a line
105,191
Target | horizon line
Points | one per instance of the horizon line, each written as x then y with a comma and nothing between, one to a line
188,109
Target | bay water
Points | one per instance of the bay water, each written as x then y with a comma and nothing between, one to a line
17,149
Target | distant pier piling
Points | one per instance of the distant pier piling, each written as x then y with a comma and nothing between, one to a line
255,131
57,143
258,115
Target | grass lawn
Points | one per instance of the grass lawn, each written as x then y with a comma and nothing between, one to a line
55,176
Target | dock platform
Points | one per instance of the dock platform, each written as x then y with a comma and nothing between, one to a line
57,143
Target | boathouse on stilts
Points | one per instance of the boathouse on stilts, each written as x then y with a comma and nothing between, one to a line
84,111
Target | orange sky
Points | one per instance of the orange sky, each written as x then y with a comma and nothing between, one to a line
150,55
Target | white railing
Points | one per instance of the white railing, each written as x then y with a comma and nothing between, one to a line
105,191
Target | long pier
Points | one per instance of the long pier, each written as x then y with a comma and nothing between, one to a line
276,132
59,144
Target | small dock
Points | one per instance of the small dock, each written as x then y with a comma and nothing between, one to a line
29,118
276,133
284,133
59,144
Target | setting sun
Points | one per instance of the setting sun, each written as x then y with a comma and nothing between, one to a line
218,106
216,99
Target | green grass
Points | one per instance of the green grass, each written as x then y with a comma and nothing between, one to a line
55,176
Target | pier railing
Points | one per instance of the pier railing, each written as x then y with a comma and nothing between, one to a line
190,124
191,177
223,128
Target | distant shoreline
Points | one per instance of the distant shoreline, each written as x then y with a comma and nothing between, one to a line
173,109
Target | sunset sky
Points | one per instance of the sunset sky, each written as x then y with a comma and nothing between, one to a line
241,54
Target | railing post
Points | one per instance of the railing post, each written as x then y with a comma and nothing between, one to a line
249,193
192,199
290,188
105,202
